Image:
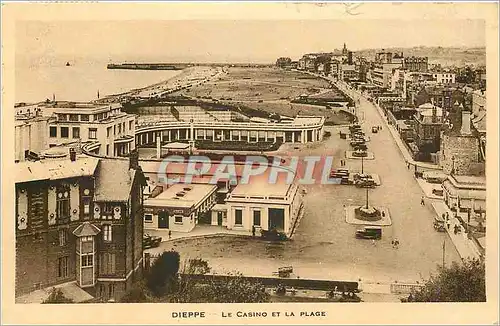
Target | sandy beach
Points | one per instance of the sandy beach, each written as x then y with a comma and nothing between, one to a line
192,76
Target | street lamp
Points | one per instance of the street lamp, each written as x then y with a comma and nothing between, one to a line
362,164
366,198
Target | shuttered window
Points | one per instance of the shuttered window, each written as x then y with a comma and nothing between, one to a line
107,265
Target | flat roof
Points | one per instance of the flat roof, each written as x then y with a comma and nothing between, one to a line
181,195
176,145
53,169
260,187
300,120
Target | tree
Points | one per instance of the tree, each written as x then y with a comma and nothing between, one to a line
195,286
457,283
137,294
57,296
163,276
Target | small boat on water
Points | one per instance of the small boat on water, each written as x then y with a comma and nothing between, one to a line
68,64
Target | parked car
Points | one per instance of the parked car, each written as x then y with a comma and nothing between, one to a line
150,241
369,232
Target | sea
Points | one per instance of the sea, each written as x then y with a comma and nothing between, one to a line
37,79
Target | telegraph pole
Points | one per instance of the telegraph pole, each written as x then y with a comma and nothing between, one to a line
444,250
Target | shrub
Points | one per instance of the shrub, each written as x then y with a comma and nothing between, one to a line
57,296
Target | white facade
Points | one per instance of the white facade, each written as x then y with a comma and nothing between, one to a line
444,78
267,207
30,135
179,207
110,131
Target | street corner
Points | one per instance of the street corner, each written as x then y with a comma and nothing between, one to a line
381,216
351,155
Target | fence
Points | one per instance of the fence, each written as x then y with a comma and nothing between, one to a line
405,288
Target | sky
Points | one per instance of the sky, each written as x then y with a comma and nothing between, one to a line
233,41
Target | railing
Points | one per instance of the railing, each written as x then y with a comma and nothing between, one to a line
405,288
150,126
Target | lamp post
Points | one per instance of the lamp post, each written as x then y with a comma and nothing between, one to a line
366,198
362,165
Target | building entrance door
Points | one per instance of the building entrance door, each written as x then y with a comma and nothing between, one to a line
163,220
276,218
219,218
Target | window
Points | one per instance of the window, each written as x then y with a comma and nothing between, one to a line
238,216
107,263
86,239
62,263
63,237
130,125
76,132
53,132
107,150
111,290
108,132
88,260
62,204
256,217
178,219
62,117
73,117
119,128
114,130
148,218
92,133
86,202
106,232
84,117
107,208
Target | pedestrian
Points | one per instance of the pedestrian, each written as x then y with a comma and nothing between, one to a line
448,225
383,214
253,231
169,234
373,242
422,201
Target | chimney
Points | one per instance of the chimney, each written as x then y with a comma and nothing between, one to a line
465,123
134,160
72,154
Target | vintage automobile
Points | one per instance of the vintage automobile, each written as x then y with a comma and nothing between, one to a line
369,232
273,235
365,183
150,241
439,224
374,130
360,147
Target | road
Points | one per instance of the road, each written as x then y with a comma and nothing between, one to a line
324,245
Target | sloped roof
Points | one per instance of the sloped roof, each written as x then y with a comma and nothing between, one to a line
479,121
86,229
54,169
114,180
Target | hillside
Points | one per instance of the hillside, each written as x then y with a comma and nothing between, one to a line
438,55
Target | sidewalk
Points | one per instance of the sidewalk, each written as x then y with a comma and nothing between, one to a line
199,231
464,246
